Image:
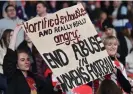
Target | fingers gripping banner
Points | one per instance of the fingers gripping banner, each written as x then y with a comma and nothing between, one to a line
69,44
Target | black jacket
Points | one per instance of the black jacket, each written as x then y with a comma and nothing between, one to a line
122,49
17,83
124,83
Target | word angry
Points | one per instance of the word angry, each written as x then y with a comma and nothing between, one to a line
67,38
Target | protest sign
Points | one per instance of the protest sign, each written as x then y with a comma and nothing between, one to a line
69,44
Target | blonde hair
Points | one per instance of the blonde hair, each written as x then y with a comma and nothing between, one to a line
107,39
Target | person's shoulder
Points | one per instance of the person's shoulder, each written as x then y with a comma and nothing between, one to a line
19,20
3,19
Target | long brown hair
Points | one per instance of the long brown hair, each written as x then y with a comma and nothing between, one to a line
108,87
4,38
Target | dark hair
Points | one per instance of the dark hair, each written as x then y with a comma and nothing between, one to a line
109,87
43,3
18,51
6,9
4,36
107,24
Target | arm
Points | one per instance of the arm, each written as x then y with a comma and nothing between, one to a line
124,83
10,59
14,38
9,64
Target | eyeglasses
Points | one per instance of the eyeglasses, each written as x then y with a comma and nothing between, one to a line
10,10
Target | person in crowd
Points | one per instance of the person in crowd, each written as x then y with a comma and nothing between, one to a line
90,8
108,87
30,9
127,34
97,11
106,7
123,47
19,9
102,18
108,29
13,3
28,46
4,43
41,9
52,6
119,76
119,15
38,66
16,68
10,22
127,30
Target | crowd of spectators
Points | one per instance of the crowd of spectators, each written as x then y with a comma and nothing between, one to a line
111,19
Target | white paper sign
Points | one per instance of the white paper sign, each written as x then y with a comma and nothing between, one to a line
69,44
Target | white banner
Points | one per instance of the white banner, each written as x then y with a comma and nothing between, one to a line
69,44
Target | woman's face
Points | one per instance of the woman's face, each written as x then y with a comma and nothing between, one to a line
23,61
109,32
111,47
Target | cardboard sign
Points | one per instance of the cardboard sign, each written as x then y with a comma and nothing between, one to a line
69,44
